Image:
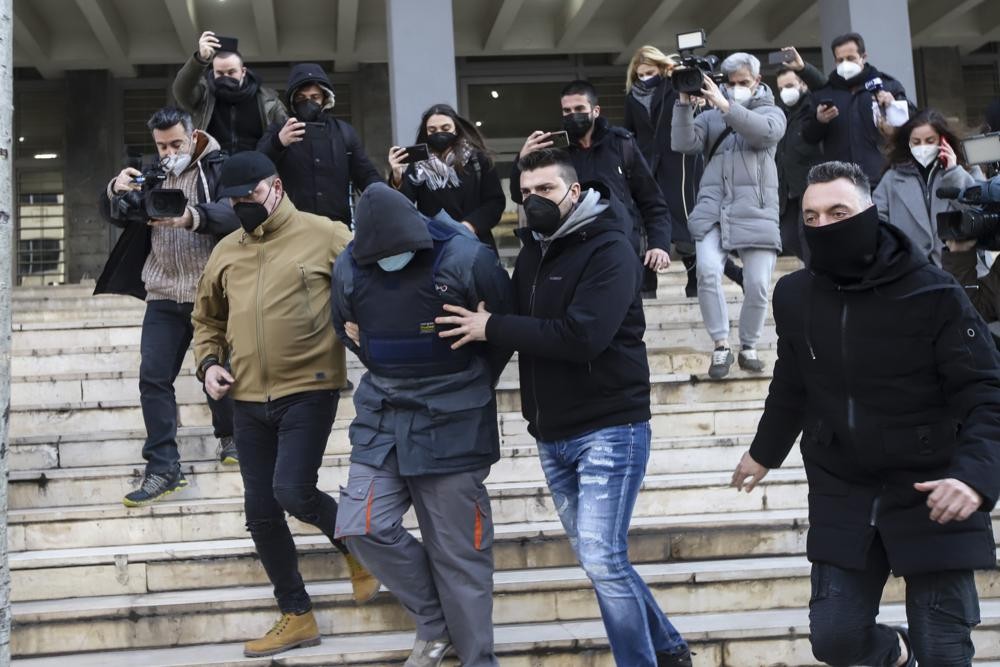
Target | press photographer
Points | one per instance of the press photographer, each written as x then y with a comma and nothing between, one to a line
170,225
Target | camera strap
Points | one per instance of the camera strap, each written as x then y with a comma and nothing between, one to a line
718,142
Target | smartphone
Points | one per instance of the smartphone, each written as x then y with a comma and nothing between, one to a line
559,139
416,153
228,44
941,160
780,57
828,102
315,131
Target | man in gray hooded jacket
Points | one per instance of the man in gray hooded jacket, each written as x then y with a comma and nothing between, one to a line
737,205
426,427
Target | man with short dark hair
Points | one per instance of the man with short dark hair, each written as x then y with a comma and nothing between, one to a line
856,109
264,304
225,98
892,379
160,261
578,331
607,154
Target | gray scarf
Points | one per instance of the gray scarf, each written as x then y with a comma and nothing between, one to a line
643,94
438,174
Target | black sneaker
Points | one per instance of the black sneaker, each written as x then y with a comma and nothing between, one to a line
682,659
227,451
155,487
749,361
911,660
722,360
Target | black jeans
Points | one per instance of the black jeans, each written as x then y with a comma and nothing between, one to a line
941,609
166,335
281,445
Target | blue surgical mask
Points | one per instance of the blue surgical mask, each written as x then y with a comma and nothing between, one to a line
395,262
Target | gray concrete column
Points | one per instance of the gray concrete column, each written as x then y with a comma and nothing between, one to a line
421,61
92,158
371,94
885,25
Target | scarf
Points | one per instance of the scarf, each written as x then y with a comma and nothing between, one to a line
643,94
438,174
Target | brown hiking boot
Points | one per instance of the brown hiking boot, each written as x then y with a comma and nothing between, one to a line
290,631
363,582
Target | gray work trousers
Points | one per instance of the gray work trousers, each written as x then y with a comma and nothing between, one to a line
758,264
445,584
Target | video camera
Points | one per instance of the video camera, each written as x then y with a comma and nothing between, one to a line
979,218
687,77
151,200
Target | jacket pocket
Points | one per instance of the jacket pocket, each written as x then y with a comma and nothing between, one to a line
457,425
365,427
918,443
313,280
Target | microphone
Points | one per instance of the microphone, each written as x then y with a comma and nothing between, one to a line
948,193
873,85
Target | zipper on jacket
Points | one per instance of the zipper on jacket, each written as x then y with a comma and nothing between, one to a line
232,128
261,348
534,366
305,284
847,375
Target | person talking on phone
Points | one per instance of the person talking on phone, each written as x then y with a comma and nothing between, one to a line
450,175
924,155
320,158
855,108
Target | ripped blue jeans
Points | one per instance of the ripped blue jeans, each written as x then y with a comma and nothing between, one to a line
594,479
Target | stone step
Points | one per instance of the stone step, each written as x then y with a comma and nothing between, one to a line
162,564
520,596
189,516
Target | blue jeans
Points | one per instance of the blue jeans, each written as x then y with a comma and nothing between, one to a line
594,479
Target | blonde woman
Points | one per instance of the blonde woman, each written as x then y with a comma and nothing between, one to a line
649,103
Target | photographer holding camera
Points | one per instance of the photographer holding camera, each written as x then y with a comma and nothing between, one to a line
169,233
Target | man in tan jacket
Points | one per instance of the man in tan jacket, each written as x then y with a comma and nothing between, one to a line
263,303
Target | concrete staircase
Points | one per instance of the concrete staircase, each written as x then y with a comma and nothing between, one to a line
178,583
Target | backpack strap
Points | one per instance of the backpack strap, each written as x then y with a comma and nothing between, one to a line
718,142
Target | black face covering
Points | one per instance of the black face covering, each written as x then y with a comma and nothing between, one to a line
577,124
227,84
649,84
844,251
251,214
543,215
441,141
308,111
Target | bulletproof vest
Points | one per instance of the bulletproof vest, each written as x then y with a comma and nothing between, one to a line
395,312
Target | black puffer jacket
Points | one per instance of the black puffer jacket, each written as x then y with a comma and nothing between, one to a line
678,175
578,326
320,171
615,160
795,155
853,135
891,381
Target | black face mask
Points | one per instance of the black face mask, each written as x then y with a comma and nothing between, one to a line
227,84
649,84
543,215
441,141
308,111
577,124
845,250
252,214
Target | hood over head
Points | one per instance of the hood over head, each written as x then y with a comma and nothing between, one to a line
387,223
307,73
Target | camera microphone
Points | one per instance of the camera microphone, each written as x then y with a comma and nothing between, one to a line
873,85
948,193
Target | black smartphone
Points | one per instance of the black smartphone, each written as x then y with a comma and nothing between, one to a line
828,102
559,139
228,44
780,57
417,153
315,131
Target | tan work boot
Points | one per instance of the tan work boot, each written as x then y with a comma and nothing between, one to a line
363,582
290,631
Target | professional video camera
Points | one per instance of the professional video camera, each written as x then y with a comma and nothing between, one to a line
979,218
687,77
151,200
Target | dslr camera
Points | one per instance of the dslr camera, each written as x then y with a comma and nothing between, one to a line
979,218
687,77
151,200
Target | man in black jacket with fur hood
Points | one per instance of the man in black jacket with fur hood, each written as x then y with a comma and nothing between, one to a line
893,380
320,159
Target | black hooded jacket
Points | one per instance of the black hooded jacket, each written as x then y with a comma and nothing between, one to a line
615,159
853,135
320,171
892,381
578,326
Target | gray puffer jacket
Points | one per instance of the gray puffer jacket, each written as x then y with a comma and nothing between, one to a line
739,190
909,202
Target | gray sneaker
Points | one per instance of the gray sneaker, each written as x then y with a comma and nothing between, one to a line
227,452
722,360
428,653
749,361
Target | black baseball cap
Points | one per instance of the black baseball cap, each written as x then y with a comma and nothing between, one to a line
242,172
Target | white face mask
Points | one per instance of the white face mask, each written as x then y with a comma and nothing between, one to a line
740,94
396,262
176,163
790,96
848,69
925,153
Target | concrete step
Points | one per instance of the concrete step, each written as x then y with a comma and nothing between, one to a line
750,639
520,596
189,516
163,564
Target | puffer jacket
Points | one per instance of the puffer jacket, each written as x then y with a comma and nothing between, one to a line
908,200
739,189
